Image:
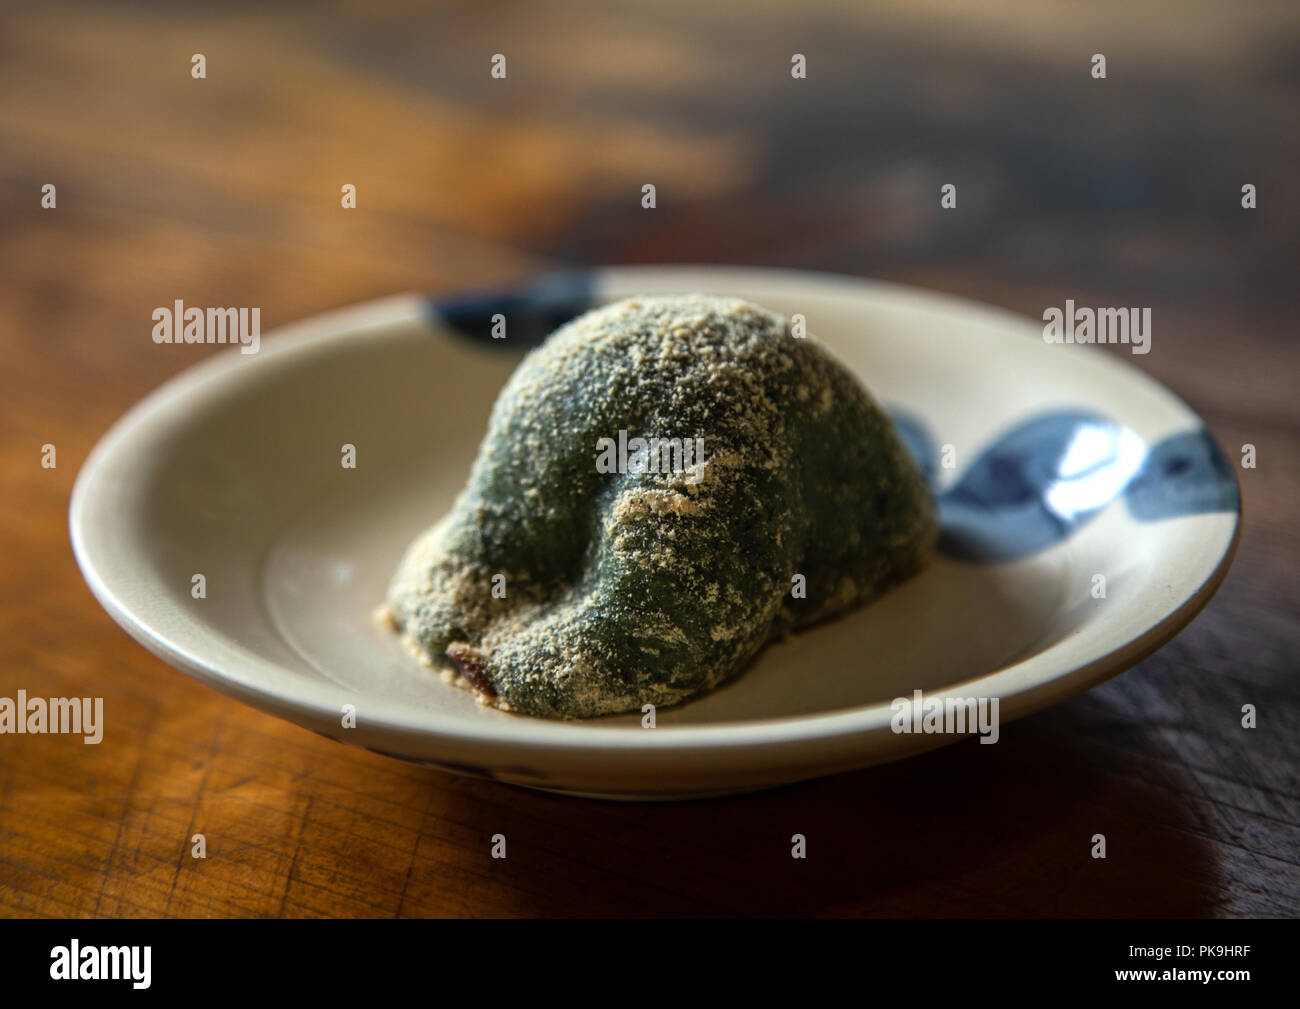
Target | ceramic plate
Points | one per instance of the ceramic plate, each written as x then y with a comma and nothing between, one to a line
1054,466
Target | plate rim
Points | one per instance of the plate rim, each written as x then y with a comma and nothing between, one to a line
318,703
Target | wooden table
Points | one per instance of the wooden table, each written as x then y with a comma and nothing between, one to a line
226,190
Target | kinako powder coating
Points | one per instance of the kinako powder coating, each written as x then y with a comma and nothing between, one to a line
616,590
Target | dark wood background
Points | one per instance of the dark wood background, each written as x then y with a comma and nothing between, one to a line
226,191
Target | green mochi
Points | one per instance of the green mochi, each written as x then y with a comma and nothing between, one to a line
658,583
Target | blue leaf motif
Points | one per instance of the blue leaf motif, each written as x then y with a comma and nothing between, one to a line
532,312
1046,478
1185,474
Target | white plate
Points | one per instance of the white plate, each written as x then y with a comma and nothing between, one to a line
232,470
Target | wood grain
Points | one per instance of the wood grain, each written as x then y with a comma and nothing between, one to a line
225,191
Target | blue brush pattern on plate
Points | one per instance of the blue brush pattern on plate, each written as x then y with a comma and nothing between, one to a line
1034,487
1051,474
532,312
